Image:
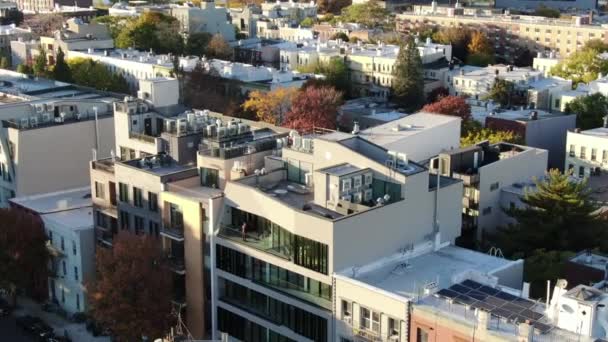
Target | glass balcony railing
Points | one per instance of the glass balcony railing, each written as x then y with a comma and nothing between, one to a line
175,232
259,240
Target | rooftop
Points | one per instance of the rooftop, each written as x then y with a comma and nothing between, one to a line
405,127
407,276
590,259
160,165
56,201
514,74
526,115
76,219
600,132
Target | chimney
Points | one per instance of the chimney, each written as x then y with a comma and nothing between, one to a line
605,119
356,128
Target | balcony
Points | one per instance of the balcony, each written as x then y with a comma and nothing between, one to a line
105,165
469,203
104,237
259,240
367,335
54,251
142,137
467,179
177,263
172,232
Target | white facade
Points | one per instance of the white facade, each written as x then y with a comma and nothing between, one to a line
207,18
68,223
587,152
478,83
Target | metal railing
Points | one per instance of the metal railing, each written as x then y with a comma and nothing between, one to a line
143,137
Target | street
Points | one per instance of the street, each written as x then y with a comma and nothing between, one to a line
11,332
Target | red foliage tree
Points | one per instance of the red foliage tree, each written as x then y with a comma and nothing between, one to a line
314,107
131,294
23,254
450,105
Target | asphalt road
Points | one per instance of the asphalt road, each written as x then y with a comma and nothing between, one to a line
9,331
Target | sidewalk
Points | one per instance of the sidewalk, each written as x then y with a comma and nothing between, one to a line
77,332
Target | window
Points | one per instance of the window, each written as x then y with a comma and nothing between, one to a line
572,151
394,327
209,177
62,295
99,190
556,103
421,335
175,216
346,309
152,201
604,156
487,211
593,154
581,171
73,247
76,273
62,244
137,197
64,267
494,186
370,320
78,301
153,228
123,192
138,222
583,152
124,220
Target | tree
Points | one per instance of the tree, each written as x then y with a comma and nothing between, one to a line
476,134
332,6
543,265
131,294
458,37
450,105
152,30
596,44
437,94
40,68
479,49
271,107
559,214
544,11
44,24
581,66
115,24
5,62
589,110
219,48
408,81
23,254
13,16
335,72
196,44
61,71
25,69
314,107
504,93
89,73
370,14
340,35
307,22
524,58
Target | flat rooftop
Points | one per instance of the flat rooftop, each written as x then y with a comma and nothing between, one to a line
56,201
405,127
600,132
589,259
75,219
340,170
159,165
525,115
407,277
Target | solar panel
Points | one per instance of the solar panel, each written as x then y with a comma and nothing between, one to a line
506,296
488,290
460,289
513,308
472,284
526,303
447,293
495,301
542,327
532,315
477,295
500,312
464,299
483,306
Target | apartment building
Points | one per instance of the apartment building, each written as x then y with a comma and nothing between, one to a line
9,33
511,33
290,8
587,152
370,66
50,5
206,18
24,51
41,120
561,5
68,223
327,32
380,301
484,170
76,35
537,128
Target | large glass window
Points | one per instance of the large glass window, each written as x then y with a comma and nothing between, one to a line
380,188
99,190
300,321
176,216
123,192
209,177
370,320
245,330
152,201
297,170
273,276
137,197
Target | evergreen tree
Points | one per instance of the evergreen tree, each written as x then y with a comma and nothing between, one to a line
61,72
408,83
5,63
24,69
39,66
558,215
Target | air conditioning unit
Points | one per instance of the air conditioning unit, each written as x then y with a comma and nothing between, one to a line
368,178
25,123
368,195
357,197
346,184
40,108
307,145
297,142
347,198
348,319
46,117
182,126
221,132
34,121
308,179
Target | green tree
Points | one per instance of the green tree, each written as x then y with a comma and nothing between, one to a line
89,73
543,265
115,24
558,214
196,44
151,30
589,110
61,71
307,22
504,93
408,82
25,69
476,134
544,11
596,44
581,66
458,37
370,14
40,68
335,72
340,35
5,62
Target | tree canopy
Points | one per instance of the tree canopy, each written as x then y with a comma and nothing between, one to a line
589,110
458,37
23,254
131,294
477,134
581,66
450,105
272,106
39,66
61,70
151,30
332,6
408,80
219,48
504,93
480,51
369,14
335,72
196,44
544,11
89,73
314,107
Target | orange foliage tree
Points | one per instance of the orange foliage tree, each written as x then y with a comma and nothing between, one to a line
131,294
23,254
450,105
271,106
314,107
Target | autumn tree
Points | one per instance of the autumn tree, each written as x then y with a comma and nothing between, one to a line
314,107
590,110
132,291
61,70
23,254
272,106
332,6
450,105
458,37
479,50
370,14
581,66
477,134
219,48
408,80
44,24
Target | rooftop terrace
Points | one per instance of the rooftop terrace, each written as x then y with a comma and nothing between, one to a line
56,201
160,165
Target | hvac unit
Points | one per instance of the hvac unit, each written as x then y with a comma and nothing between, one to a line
34,121
308,179
347,198
25,123
357,197
279,144
367,195
346,185
243,128
297,142
357,183
307,145
170,126
40,108
182,126
221,132
368,178
232,129
46,117
211,129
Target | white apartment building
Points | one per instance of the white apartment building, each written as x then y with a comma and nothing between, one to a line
38,130
289,8
206,18
9,33
416,135
587,151
545,62
477,83
77,35
484,170
68,223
